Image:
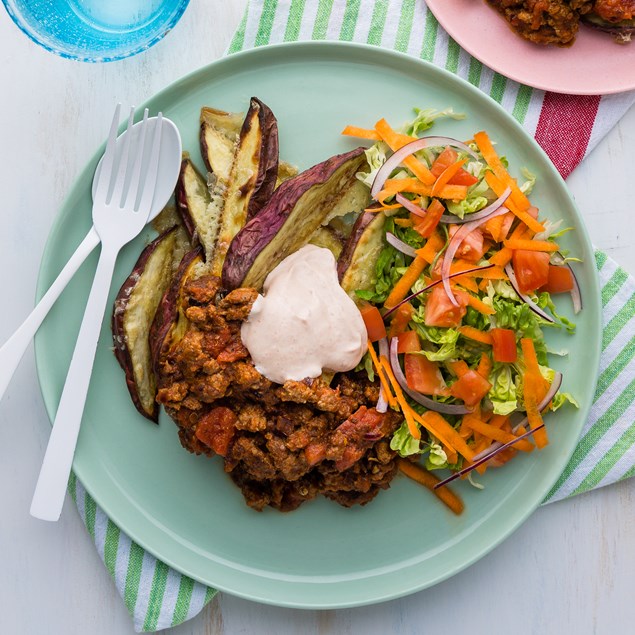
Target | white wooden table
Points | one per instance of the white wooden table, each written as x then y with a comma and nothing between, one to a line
569,569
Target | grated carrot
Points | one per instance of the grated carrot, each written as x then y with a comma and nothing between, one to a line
484,366
405,408
496,434
433,420
410,276
396,141
499,187
385,384
475,334
531,245
432,247
362,133
444,178
479,305
428,480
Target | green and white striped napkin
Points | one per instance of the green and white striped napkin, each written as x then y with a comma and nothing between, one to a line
157,596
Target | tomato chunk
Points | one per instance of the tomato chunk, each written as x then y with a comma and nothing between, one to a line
424,376
408,342
401,318
531,269
473,246
445,160
504,345
470,388
560,280
439,310
216,429
374,322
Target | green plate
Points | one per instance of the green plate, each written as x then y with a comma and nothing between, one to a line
183,508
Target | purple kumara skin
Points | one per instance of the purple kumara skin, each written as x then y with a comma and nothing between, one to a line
121,349
296,209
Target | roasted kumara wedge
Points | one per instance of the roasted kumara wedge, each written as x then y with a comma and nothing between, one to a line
134,309
193,204
169,323
295,211
251,181
328,238
218,138
356,264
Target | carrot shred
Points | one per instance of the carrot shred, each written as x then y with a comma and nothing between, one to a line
479,305
484,366
403,222
486,147
529,353
502,257
433,420
385,384
382,208
401,400
496,434
432,247
428,224
499,421
362,133
444,178
531,245
499,187
396,141
414,186
410,276
474,334
531,387
467,283
428,480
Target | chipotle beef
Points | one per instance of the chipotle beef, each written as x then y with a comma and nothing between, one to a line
281,444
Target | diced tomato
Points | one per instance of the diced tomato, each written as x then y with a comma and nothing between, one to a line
400,319
560,280
216,429
445,160
531,269
470,388
439,310
408,342
504,345
424,376
374,322
473,245
505,223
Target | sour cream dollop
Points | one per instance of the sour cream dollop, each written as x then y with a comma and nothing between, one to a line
305,322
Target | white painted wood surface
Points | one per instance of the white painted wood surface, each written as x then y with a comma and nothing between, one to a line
569,569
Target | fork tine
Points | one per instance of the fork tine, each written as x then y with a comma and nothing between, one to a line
131,195
120,179
150,181
109,158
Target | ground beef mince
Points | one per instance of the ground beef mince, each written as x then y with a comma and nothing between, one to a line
281,444
544,21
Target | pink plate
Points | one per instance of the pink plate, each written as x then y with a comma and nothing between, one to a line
594,65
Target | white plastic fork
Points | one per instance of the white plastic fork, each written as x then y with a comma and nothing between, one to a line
121,206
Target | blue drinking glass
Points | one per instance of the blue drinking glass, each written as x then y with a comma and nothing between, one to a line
95,30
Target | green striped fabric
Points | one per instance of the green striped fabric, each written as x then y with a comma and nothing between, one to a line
157,596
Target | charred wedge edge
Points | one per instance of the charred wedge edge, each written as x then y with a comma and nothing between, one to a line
252,178
134,309
170,324
285,172
294,212
193,204
356,264
218,138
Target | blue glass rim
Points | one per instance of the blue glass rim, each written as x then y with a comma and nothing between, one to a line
96,60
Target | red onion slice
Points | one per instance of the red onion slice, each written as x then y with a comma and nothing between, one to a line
495,448
410,148
382,402
434,284
509,270
430,404
400,245
410,206
454,245
486,211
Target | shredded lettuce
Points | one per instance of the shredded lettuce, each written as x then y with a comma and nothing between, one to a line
404,443
502,394
425,118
